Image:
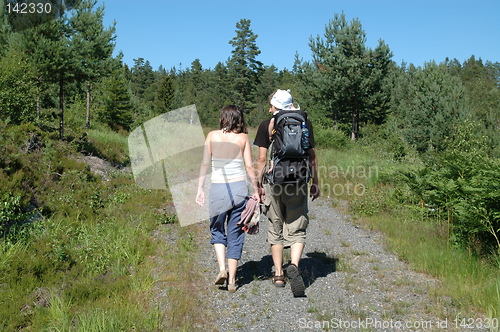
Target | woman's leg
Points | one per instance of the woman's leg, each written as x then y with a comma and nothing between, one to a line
220,253
235,238
219,242
232,265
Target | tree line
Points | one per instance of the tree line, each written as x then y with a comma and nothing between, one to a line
69,61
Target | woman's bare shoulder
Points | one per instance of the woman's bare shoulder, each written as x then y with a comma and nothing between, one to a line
212,134
243,135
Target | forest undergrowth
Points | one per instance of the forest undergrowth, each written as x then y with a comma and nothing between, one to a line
424,219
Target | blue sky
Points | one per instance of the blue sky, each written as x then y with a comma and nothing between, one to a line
175,33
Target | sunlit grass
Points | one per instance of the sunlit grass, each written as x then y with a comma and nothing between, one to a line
85,262
109,145
471,283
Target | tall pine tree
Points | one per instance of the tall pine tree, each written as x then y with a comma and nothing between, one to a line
244,68
429,103
93,46
115,104
347,76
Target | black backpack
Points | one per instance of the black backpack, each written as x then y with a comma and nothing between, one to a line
289,155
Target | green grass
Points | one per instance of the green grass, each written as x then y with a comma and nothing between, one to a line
98,259
469,281
89,261
109,145
383,205
85,268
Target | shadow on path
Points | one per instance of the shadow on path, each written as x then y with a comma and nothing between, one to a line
315,265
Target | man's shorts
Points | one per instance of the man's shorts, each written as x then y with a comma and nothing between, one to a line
286,207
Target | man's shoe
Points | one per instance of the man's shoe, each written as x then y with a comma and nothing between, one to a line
296,281
279,281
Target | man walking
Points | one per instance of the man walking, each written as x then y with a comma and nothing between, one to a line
285,203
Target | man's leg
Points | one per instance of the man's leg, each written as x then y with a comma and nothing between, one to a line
275,231
294,231
277,254
296,282
296,252
295,225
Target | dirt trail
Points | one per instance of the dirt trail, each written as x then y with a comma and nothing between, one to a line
353,283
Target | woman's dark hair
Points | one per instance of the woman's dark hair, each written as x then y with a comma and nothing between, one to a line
232,120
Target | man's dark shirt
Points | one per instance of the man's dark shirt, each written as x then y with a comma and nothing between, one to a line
262,136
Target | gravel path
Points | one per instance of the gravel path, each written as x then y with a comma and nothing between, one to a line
352,283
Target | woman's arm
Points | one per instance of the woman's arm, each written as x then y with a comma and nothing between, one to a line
247,157
205,163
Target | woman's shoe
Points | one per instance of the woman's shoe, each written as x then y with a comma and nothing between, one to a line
231,288
221,278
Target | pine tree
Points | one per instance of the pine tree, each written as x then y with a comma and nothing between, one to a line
60,62
348,76
93,46
165,93
51,56
243,65
116,107
432,104
482,85
269,81
143,83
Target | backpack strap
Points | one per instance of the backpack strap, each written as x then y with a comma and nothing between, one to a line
295,114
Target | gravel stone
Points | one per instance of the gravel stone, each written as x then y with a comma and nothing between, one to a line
352,284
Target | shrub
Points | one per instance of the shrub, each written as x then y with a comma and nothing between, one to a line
463,182
10,211
17,89
329,138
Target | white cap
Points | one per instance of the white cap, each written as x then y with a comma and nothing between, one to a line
282,100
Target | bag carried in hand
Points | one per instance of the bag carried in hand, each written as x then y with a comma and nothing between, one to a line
250,216
290,148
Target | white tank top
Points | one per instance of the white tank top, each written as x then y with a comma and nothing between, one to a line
225,170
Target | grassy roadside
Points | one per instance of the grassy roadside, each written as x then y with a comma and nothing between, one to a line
361,179
87,260
178,282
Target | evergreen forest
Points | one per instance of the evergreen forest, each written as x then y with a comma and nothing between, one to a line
433,131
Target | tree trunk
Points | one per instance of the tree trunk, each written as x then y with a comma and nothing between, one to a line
38,106
354,131
61,108
38,98
87,118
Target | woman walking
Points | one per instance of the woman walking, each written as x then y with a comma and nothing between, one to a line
227,149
